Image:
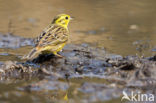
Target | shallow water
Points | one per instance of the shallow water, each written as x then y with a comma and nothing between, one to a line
124,27
113,24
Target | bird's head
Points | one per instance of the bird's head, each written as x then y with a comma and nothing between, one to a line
62,20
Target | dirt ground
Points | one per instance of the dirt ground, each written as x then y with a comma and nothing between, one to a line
100,75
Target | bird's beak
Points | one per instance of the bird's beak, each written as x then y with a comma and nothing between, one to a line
71,18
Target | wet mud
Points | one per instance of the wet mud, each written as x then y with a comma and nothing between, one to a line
85,74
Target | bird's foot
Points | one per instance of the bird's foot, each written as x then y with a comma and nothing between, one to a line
58,55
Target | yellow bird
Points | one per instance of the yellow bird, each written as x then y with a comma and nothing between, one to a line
53,38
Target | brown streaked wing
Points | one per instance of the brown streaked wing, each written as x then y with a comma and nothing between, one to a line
43,33
54,36
36,40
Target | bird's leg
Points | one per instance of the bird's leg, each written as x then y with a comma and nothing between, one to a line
55,53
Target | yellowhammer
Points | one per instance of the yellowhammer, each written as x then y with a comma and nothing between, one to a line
53,38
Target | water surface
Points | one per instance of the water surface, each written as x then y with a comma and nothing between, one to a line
113,24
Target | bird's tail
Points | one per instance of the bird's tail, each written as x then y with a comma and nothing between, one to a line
31,54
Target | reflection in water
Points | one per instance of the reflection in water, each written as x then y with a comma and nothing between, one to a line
66,98
125,21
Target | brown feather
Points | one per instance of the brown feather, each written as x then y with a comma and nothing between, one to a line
53,36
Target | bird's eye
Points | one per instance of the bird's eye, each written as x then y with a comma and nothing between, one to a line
66,17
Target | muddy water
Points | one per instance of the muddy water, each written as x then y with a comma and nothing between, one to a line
124,27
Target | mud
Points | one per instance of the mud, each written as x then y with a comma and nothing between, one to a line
12,41
85,74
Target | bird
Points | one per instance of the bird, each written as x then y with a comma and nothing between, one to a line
53,38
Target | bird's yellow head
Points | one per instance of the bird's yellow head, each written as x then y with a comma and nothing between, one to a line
62,20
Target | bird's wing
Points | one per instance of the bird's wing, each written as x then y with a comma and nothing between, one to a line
43,33
53,35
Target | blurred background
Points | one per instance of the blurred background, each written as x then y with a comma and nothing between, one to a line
124,27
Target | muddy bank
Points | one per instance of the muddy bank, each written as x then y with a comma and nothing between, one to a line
85,74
